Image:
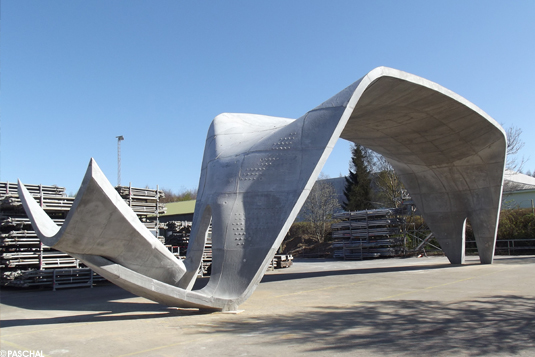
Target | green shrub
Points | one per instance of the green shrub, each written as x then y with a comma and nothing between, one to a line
516,224
513,224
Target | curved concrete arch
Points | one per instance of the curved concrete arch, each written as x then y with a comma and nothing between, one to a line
257,171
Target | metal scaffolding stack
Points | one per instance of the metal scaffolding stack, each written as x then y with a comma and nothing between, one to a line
144,202
368,234
177,235
23,257
25,261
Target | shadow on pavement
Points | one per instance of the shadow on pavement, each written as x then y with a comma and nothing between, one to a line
361,271
105,302
508,259
107,297
486,326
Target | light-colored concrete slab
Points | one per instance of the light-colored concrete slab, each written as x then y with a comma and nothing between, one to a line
393,307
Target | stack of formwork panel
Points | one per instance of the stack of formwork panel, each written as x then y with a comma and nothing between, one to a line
177,235
21,252
144,202
25,261
368,234
207,254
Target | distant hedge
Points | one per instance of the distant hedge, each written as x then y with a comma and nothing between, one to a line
513,224
516,224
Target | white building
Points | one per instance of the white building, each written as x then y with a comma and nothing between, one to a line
518,190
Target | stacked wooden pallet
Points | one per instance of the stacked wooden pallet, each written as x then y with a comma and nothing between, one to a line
368,234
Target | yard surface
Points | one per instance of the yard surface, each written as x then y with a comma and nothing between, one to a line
390,307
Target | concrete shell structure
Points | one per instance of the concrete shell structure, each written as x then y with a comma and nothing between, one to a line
257,172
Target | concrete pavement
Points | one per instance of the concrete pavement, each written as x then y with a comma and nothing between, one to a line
391,307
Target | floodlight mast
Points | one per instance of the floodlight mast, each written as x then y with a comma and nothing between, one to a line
119,139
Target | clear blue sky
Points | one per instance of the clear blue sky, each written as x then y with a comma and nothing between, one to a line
75,74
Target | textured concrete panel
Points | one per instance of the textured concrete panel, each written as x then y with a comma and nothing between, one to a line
257,172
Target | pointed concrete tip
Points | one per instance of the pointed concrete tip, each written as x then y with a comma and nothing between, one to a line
92,170
21,187
93,165
43,225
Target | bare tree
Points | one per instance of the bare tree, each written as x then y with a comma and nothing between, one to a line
514,145
389,189
183,195
319,208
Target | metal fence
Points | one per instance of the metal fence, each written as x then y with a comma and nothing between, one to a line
506,247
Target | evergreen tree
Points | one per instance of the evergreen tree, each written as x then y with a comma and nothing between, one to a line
358,189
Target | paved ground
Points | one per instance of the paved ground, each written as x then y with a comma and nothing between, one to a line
393,307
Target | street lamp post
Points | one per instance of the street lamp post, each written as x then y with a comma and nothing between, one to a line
119,139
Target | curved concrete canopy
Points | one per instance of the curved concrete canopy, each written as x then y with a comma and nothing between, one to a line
257,171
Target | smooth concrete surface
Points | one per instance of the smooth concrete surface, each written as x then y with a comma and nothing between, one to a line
392,307
258,170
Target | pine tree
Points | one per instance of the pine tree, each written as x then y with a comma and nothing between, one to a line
358,189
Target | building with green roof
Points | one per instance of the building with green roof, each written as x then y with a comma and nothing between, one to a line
178,211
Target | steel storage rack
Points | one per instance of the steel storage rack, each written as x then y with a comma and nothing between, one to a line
25,261
177,235
145,202
368,234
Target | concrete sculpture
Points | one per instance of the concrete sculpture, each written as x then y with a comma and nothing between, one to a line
258,170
